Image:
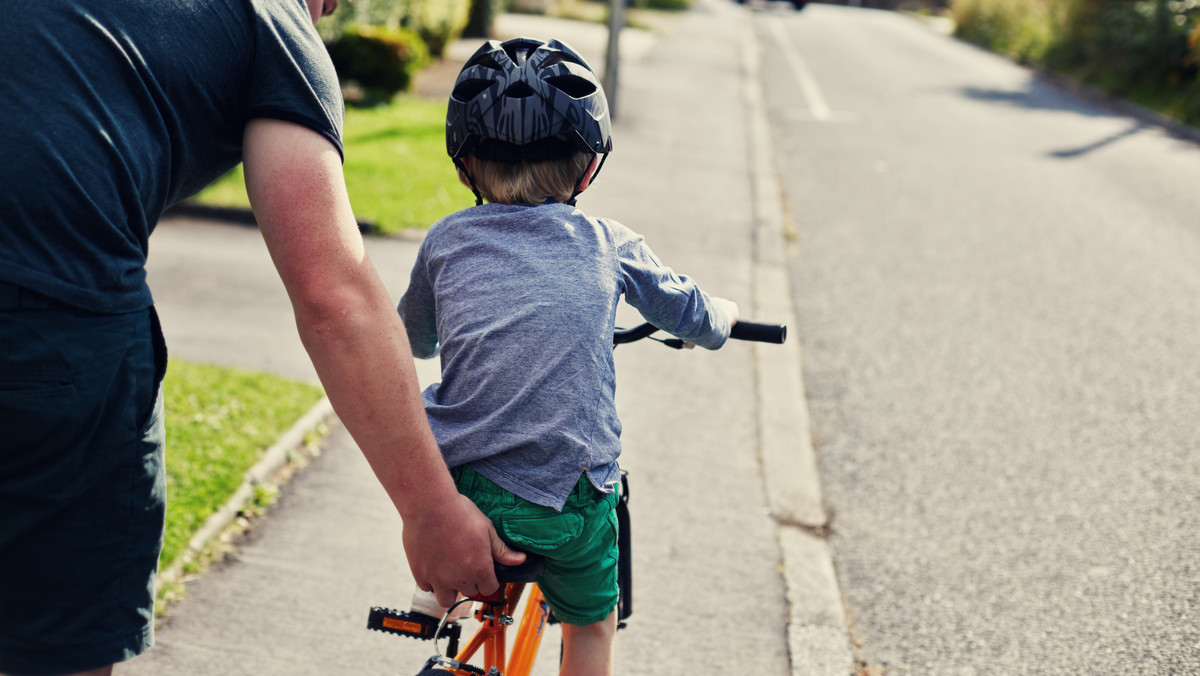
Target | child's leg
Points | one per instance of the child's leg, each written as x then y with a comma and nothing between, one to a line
588,649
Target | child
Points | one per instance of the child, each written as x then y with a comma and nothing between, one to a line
520,296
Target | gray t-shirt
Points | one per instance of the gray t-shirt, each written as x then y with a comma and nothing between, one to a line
521,302
116,109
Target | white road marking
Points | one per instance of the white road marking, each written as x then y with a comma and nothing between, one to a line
817,106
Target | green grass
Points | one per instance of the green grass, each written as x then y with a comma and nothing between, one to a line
219,423
397,171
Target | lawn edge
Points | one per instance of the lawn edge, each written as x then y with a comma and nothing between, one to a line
272,461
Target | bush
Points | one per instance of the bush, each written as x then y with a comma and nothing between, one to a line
1194,45
374,64
438,22
1022,29
665,5
1192,101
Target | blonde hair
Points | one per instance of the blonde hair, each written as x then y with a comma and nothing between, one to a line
526,182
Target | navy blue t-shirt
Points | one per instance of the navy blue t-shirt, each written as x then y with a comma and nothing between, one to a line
113,110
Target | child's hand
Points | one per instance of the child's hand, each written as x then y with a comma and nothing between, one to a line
729,307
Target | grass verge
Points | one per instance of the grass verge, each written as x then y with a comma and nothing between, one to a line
397,171
219,422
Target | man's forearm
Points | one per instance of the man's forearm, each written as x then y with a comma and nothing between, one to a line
361,354
359,348
345,317
357,344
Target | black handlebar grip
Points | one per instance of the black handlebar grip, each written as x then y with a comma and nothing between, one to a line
763,333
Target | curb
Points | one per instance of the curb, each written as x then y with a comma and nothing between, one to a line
237,215
274,459
1117,105
817,633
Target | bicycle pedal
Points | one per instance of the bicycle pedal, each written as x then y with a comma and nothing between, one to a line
440,666
415,625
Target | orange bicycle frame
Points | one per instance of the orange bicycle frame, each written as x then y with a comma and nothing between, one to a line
492,634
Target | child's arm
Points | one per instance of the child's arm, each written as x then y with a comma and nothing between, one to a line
672,302
418,311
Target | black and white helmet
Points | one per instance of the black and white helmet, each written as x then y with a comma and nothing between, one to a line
518,99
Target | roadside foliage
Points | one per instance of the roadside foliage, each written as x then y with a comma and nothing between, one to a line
378,46
1147,51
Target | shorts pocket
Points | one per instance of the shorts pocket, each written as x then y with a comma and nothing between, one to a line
15,390
541,533
33,412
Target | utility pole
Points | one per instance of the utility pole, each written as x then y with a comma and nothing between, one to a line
616,19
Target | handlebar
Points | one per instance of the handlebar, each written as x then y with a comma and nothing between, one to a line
763,333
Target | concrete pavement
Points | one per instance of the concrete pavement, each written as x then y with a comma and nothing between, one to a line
729,575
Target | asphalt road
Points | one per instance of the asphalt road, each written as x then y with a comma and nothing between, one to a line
998,294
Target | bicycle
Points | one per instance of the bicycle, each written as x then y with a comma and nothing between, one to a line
497,612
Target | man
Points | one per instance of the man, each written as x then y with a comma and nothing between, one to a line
114,111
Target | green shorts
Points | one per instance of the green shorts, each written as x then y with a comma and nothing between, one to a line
579,543
81,483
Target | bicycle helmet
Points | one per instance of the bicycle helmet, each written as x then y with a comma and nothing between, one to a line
526,100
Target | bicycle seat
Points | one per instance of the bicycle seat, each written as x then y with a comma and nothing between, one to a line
527,571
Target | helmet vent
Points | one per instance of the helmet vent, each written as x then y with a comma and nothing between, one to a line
518,90
572,85
519,50
561,57
485,60
469,89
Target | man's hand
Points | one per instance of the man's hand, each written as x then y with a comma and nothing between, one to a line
457,563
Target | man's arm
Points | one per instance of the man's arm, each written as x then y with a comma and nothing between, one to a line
356,342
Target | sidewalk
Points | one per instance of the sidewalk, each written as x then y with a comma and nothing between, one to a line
716,443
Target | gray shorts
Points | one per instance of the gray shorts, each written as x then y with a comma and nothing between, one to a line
81,483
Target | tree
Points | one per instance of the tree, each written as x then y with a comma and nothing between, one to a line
481,18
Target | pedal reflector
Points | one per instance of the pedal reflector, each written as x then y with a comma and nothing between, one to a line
416,625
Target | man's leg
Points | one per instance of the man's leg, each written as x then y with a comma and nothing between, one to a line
102,671
81,485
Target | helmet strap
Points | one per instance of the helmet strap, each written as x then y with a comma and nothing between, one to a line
600,166
462,166
582,176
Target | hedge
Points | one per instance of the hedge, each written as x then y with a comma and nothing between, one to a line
1144,50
